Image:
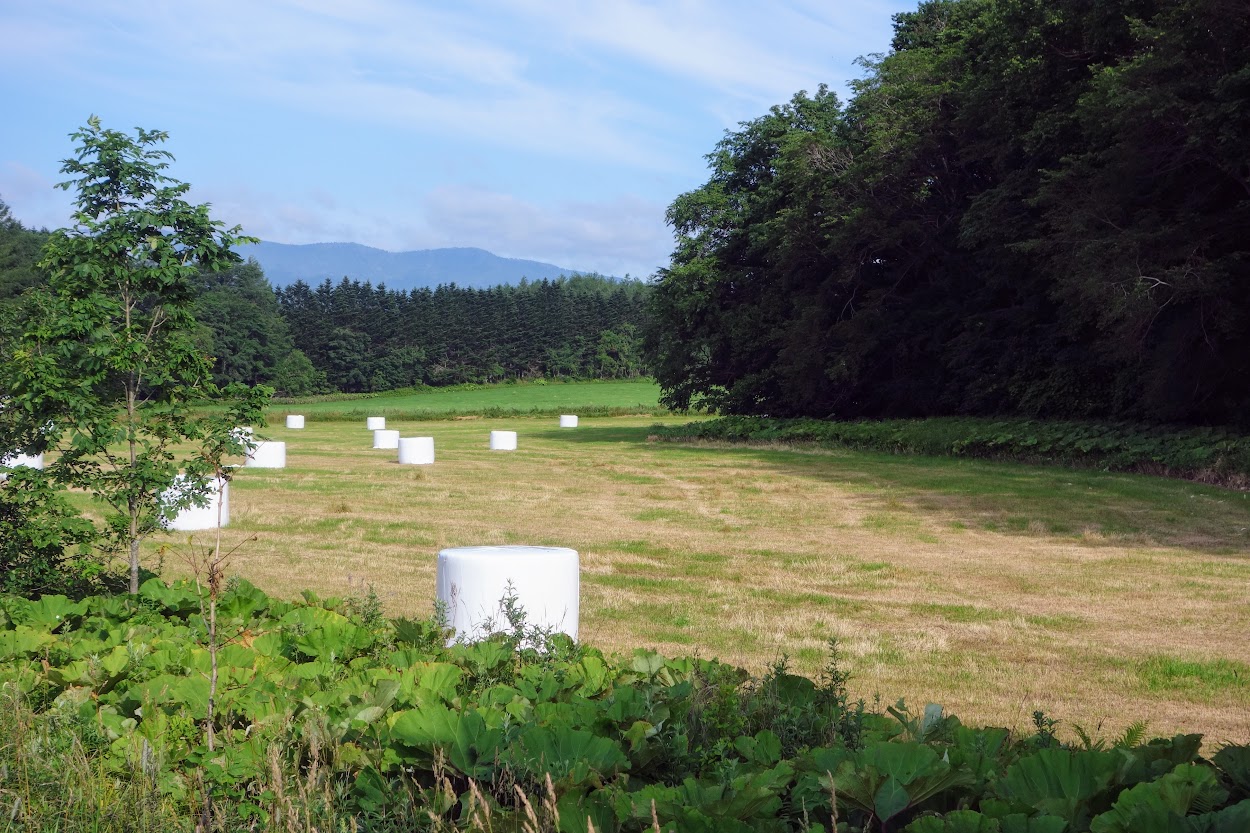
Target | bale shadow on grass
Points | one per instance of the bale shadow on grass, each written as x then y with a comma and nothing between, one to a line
596,434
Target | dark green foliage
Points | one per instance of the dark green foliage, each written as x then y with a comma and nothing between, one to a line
329,716
1206,454
44,543
19,250
366,338
1027,207
248,338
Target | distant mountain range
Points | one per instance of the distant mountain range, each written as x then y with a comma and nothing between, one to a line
284,264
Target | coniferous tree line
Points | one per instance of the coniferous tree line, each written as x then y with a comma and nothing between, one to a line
370,338
1033,207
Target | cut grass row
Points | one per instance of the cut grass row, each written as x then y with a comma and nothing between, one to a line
994,588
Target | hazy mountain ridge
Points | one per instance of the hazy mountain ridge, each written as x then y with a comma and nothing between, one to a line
285,263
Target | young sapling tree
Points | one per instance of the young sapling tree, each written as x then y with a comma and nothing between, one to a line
108,371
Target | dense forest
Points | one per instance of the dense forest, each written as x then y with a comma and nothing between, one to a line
1033,207
367,338
354,337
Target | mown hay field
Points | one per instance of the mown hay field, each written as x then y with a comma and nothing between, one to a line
991,588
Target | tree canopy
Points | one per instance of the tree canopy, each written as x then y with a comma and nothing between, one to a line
246,334
1027,206
370,338
19,252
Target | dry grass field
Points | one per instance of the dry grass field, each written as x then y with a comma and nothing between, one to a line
994,589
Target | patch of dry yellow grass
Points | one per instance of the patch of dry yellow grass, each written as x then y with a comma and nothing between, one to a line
745,555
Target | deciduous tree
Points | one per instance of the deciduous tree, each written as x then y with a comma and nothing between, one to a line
107,375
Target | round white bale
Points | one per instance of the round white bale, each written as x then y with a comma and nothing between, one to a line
294,421
503,440
195,518
33,461
386,439
375,423
267,455
473,581
568,420
416,451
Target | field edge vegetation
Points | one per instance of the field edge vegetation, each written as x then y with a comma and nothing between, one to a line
1206,455
215,707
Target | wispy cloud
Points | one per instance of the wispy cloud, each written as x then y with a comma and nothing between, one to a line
616,236
32,198
387,63
549,129
690,39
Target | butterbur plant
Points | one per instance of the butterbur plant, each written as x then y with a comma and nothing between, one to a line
102,726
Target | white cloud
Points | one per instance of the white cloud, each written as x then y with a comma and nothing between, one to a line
613,236
625,234
688,39
548,129
32,198
393,64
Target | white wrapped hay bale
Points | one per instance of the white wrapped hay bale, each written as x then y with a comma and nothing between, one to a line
193,518
503,440
267,455
375,423
295,421
416,451
568,420
33,461
472,582
386,439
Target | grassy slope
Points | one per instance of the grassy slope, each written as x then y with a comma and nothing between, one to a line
639,396
993,588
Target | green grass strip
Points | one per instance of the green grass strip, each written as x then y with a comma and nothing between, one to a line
1208,455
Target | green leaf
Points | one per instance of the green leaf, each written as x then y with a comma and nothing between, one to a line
884,773
763,749
324,634
1233,761
647,663
593,675
1157,806
438,678
569,755
958,821
23,642
1060,782
48,612
1020,823
425,728
890,799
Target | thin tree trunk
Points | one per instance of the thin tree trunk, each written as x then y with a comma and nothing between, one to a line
134,555
132,393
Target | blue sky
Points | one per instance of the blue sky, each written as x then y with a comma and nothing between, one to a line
555,130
